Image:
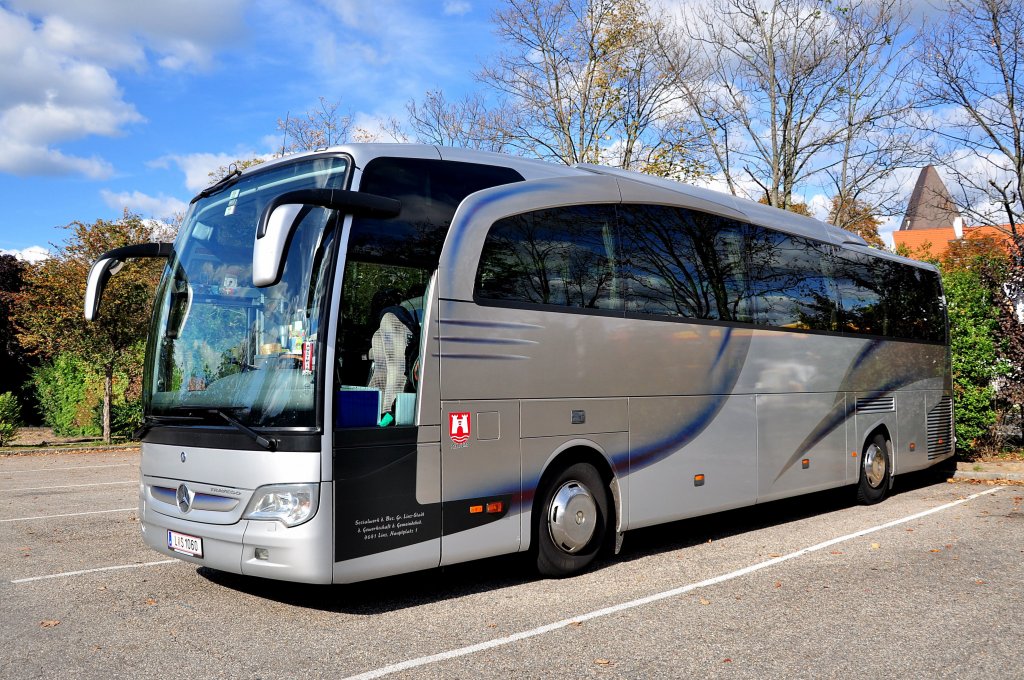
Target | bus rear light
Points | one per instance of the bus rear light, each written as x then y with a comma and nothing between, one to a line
476,509
495,507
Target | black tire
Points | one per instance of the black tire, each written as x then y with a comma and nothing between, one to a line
572,550
875,471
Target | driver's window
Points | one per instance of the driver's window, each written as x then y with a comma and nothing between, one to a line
378,369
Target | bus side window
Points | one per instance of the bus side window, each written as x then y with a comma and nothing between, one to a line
560,256
683,263
790,281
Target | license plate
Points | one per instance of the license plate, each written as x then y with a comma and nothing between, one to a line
183,543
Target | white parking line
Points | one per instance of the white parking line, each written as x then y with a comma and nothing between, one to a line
92,571
632,604
68,486
70,514
76,467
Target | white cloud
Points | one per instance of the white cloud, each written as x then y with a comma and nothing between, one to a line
59,59
158,206
30,254
457,7
183,34
198,166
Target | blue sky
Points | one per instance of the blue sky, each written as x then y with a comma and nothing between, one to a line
109,104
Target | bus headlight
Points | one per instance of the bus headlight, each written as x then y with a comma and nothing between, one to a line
289,504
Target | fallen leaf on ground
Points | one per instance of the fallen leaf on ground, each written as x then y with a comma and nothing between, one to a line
774,555
49,623
838,552
934,550
726,660
703,601
778,584
875,546
602,662
577,624
980,582
150,602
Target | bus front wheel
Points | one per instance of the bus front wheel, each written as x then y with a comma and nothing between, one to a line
572,522
875,469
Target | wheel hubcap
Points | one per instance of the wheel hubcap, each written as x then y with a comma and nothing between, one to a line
874,466
572,517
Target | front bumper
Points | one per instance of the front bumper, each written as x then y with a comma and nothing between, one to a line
303,554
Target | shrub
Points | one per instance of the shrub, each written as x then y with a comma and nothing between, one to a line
972,328
68,394
10,418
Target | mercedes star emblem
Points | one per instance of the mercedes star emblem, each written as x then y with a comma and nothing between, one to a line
184,497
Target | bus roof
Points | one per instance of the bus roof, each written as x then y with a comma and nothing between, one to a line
675,193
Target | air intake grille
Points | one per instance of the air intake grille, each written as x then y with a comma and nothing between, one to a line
876,405
940,428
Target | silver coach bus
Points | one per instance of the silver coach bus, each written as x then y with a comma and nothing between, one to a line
382,358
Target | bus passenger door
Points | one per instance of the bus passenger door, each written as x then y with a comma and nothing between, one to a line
480,479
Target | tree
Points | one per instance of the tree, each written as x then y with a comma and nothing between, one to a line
793,207
48,310
223,171
317,128
789,91
581,83
17,367
973,60
855,216
467,122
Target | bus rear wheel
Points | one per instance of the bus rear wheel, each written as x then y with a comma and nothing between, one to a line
875,469
571,524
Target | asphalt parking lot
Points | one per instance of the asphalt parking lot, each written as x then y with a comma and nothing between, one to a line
927,584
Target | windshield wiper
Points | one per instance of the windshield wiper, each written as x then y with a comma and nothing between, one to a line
220,185
268,444
149,421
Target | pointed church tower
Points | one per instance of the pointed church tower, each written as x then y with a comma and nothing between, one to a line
930,205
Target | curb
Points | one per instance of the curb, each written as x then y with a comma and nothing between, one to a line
68,449
966,475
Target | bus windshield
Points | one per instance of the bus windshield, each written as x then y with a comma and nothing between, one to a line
220,344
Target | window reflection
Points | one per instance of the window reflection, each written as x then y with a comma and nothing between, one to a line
684,263
562,256
681,263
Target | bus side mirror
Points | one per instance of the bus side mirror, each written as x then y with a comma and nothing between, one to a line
283,214
101,271
268,252
109,264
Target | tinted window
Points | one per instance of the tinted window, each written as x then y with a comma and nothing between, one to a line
912,301
684,263
860,295
790,285
430,191
560,256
